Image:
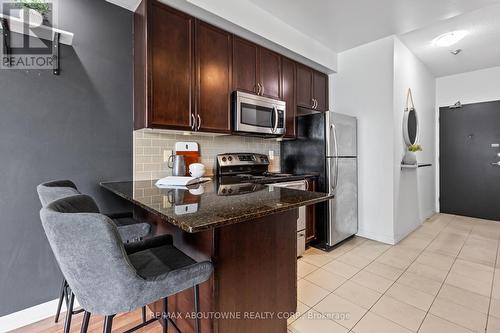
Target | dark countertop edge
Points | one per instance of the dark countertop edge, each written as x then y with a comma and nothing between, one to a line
270,211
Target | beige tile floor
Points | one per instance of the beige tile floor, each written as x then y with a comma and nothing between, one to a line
444,277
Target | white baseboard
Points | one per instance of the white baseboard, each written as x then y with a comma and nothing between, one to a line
32,315
376,237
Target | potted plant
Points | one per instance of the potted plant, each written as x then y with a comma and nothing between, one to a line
411,154
33,12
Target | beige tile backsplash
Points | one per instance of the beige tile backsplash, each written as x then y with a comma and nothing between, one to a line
149,147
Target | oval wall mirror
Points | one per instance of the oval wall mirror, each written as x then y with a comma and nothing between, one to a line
410,127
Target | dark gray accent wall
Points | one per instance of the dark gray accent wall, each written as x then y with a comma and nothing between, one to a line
77,125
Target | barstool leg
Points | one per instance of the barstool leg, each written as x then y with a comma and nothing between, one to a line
108,323
85,322
165,314
143,314
69,313
61,298
197,308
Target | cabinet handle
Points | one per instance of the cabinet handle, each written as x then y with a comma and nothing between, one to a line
262,92
193,122
258,88
312,103
199,123
315,103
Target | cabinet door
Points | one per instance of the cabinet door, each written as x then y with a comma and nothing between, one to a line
304,86
288,87
320,90
245,56
311,215
213,78
172,68
270,73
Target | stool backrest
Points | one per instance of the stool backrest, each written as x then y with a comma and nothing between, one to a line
90,253
54,190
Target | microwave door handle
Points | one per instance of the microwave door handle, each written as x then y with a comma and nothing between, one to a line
276,115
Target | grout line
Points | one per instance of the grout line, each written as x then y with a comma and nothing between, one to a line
382,294
442,283
404,271
492,285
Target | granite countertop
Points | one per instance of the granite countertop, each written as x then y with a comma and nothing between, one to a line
201,207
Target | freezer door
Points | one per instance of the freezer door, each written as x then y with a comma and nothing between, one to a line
343,210
343,135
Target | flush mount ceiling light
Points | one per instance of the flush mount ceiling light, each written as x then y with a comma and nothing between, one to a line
449,38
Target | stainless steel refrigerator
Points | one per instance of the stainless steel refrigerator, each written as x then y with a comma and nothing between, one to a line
326,145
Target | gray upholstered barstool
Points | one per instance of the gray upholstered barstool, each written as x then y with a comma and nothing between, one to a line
104,277
130,230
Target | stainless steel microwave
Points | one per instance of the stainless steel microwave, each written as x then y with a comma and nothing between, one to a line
253,114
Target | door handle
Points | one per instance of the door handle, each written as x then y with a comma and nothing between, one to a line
276,115
193,122
496,163
199,123
259,89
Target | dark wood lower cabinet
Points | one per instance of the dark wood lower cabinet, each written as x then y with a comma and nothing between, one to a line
255,272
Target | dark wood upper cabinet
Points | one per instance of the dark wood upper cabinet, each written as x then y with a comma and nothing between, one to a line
172,67
288,86
213,78
185,71
256,69
320,90
270,73
312,89
245,71
304,86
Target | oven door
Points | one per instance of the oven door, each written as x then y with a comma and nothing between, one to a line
257,114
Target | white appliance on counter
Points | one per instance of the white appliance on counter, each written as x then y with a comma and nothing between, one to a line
301,221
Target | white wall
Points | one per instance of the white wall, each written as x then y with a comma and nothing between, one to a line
471,87
363,88
371,84
414,189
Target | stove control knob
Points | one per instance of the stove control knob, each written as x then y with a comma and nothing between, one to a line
230,191
230,158
224,159
224,190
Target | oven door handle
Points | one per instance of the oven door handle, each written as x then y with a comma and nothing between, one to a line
276,121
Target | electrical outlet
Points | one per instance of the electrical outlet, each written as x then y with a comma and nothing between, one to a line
271,155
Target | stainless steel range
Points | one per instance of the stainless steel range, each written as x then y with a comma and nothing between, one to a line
239,173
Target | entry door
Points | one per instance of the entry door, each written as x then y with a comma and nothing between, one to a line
469,156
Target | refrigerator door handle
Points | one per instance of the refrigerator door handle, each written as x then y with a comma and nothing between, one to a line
335,152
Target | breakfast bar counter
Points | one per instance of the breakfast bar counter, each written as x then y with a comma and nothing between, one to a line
251,239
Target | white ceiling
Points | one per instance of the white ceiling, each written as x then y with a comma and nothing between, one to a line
344,24
480,48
